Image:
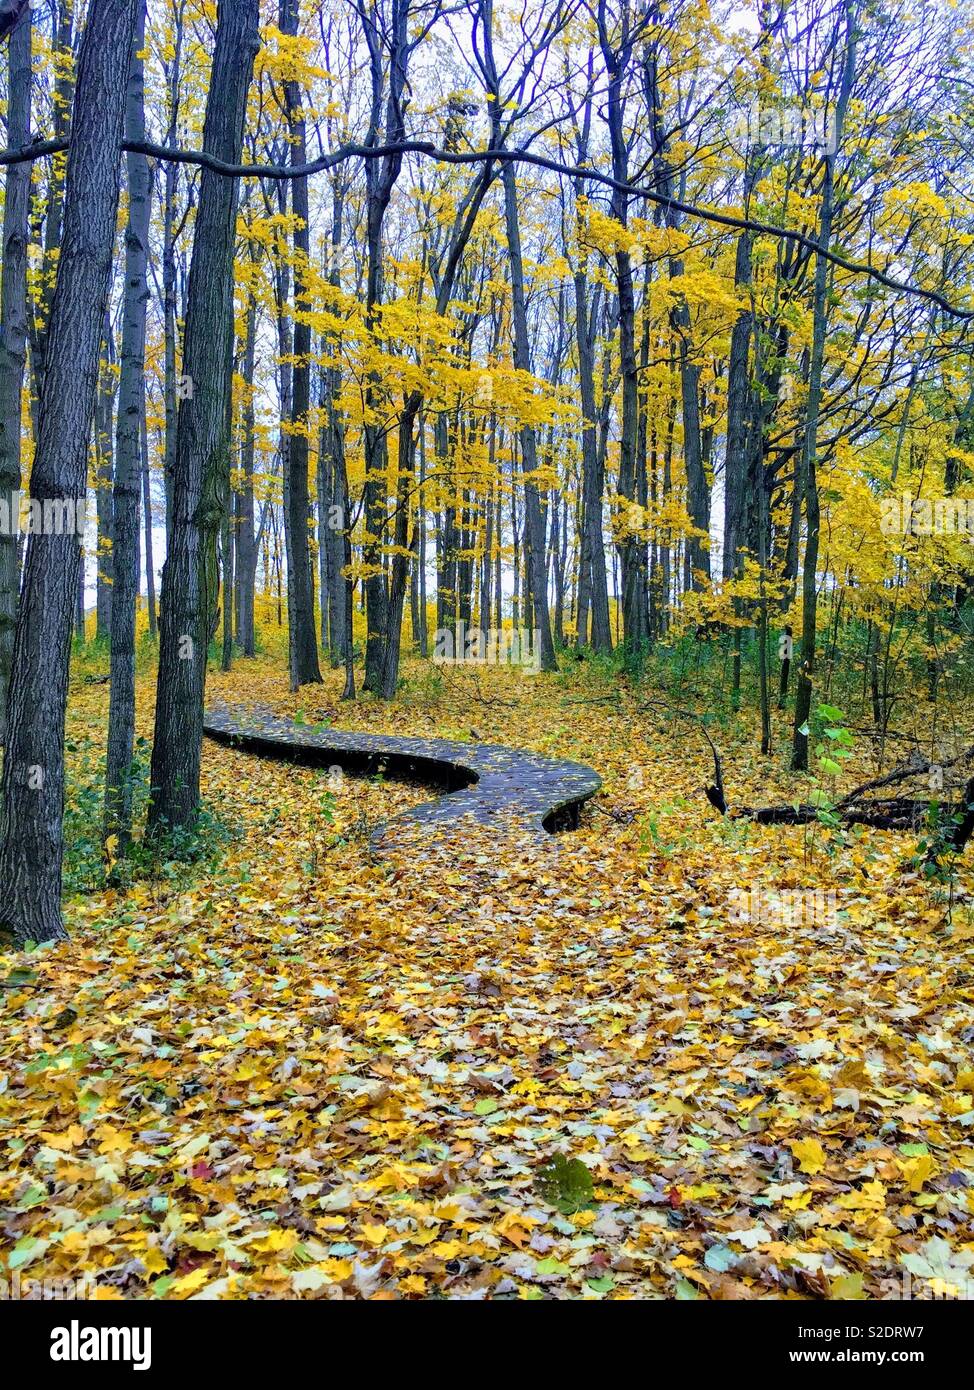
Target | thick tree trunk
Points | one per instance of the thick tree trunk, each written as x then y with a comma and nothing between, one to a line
13,339
201,478
33,770
128,466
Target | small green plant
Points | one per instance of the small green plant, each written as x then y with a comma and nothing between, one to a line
937,855
835,745
566,1183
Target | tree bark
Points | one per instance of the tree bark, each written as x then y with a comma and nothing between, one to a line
170,188
631,547
534,526
245,540
128,466
150,566
13,339
804,683
302,638
201,477
33,771
104,475
593,593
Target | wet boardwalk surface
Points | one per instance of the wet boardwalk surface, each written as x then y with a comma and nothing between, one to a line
495,787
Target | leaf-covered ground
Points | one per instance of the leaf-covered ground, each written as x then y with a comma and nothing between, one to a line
289,1070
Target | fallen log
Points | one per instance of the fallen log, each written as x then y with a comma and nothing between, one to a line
894,813
890,813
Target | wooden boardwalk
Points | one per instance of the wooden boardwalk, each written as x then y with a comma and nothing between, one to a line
502,788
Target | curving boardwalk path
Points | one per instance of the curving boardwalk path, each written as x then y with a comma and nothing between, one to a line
495,786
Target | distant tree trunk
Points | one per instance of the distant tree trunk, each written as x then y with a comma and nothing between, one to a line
63,88
738,400
333,520
227,584
389,49
402,559
498,559
593,586
739,392
697,555
128,465
337,531
104,475
245,541
302,638
150,567
405,544
558,533
201,479
79,614
483,607
13,339
348,607
534,526
696,558
631,547
170,188
33,770
804,683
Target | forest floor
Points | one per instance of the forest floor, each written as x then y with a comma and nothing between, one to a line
292,1070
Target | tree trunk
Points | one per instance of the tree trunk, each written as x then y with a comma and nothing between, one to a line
172,392
302,638
244,537
534,526
63,88
150,564
631,547
201,478
803,687
227,587
128,466
104,476
593,594
33,770
13,340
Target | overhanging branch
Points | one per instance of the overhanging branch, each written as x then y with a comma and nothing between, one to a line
41,148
